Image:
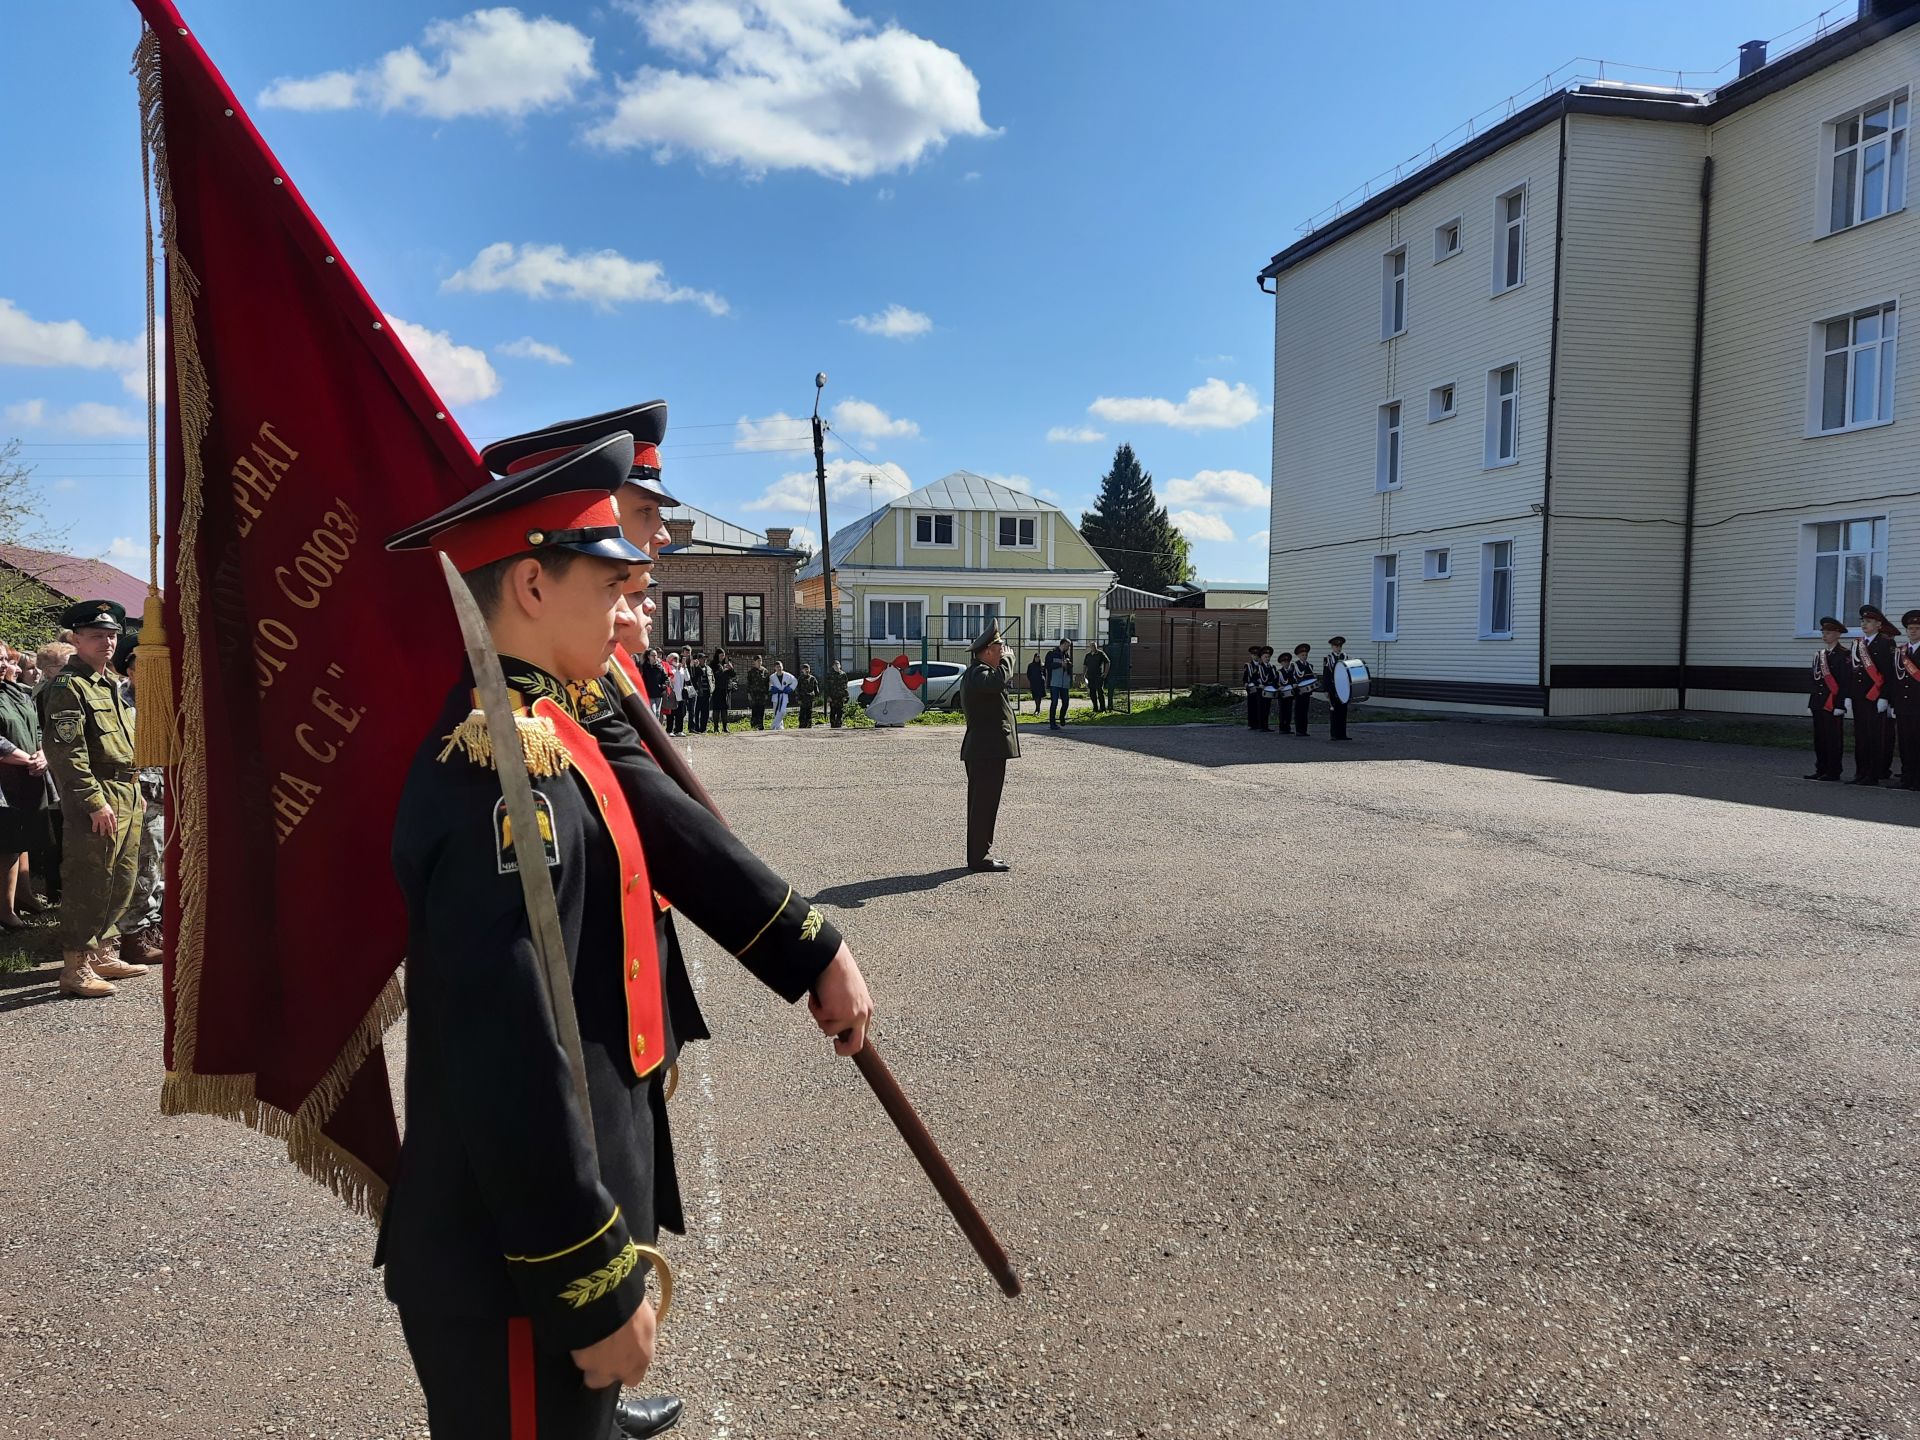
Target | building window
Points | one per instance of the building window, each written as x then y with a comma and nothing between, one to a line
1440,403
1446,240
1386,596
895,619
1016,532
1849,568
744,625
1510,239
1393,294
683,619
1386,465
1856,354
1439,564
968,618
1503,416
1054,621
933,530
1496,590
1867,169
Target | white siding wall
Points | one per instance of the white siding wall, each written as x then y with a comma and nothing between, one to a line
1770,276
1332,372
1624,389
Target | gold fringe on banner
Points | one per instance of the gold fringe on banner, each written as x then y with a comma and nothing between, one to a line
185,1091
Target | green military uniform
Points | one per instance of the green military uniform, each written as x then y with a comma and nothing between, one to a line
88,738
992,739
836,695
758,688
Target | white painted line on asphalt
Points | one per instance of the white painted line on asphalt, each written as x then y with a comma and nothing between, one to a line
713,1211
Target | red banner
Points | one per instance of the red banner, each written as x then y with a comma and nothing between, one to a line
299,433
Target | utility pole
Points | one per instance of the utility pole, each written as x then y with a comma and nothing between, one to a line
828,598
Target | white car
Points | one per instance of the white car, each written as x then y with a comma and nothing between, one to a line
940,690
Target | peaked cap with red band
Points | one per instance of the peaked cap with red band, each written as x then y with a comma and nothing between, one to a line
646,422
566,502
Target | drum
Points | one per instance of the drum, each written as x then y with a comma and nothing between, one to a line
1269,691
1351,683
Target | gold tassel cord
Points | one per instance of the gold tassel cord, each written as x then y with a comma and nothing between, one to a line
153,734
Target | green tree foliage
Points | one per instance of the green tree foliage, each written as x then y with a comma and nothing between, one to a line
1131,531
27,607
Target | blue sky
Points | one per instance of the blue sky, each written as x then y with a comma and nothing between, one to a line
1000,228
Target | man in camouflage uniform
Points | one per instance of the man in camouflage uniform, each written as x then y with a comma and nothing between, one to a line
836,695
89,743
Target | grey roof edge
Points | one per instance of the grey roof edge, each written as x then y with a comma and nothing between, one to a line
1736,95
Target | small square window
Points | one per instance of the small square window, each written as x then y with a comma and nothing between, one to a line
1446,240
1440,403
1016,532
932,529
1439,564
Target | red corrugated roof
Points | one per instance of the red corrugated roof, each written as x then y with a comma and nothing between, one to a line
77,578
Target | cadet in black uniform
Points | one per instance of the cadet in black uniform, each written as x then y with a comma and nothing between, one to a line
1906,699
1870,673
1250,678
1828,699
1302,671
513,1257
1337,728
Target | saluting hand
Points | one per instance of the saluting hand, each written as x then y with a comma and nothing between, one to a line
840,1003
623,1357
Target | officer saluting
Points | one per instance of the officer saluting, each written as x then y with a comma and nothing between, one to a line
512,1249
87,730
992,739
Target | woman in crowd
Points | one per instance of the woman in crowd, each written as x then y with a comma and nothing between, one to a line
722,688
654,676
1037,680
49,660
699,691
24,788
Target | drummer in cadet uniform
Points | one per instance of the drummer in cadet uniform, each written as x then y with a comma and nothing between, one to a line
1250,678
1301,671
87,732
511,1240
1337,729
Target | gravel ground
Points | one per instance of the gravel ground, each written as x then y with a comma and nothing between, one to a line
1462,1081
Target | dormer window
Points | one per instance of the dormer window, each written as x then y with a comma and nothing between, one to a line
930,529
1016,532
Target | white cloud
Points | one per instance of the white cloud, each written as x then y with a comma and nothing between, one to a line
528,348
460,373
1212,406
883,195
1201,527
1075,435
1222,489
602,277
1260,538
805,537
798,493
870,422
896,322
791,85
971,175
88,419
125,547
489,62
27,341
778,431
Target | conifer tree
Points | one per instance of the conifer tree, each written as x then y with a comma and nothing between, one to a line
1131,531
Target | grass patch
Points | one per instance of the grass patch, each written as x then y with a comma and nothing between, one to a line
31,948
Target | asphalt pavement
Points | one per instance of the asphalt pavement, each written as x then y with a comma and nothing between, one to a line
1458,1081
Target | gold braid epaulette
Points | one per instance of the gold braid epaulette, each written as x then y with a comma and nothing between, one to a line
546,756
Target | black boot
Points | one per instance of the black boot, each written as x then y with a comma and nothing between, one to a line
653,1415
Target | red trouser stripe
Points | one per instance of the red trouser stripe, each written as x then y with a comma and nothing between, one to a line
523,1420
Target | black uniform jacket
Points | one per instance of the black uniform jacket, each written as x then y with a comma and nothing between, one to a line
1863,688
1840,666
1906,689
498,1208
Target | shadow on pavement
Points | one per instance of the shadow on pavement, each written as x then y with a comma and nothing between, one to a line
1625,764
852,897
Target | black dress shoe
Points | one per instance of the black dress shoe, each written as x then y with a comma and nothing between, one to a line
654,1415
988,865
1863,782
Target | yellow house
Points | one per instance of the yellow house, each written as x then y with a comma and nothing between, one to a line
925,573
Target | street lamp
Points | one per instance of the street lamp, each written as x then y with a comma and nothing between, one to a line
828,599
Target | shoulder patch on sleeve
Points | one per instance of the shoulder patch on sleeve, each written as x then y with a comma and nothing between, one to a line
503,845
67,725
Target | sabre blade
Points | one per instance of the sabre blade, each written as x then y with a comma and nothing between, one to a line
536,882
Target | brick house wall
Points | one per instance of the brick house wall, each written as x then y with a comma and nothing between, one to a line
686,569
